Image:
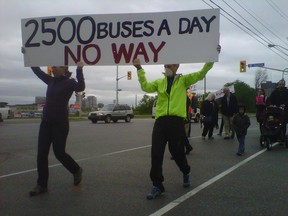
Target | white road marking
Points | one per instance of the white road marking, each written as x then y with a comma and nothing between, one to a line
89,158
83,159
191,193
177,201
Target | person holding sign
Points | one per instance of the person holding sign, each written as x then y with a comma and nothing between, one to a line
54,126
170,116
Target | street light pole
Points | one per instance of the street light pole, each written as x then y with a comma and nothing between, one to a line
117,79
285,70
205,85
274,45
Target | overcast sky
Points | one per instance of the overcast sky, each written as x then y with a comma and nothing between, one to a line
267,21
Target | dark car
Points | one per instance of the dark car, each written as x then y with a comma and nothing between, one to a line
112,112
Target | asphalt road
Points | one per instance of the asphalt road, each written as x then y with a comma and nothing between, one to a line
116,162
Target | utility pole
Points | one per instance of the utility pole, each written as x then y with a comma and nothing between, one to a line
117,80
285,70
275,69
79,101
205,85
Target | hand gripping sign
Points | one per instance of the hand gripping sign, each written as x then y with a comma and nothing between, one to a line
109,39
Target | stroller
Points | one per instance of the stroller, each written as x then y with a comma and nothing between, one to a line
271,128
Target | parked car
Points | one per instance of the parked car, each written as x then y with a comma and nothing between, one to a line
24,114
113,113
154,108
5,113
196,116
31,114
38,114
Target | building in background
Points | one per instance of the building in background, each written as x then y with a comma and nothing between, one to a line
268,87
92,101
89,103
40,100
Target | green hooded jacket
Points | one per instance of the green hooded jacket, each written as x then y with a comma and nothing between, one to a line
175,103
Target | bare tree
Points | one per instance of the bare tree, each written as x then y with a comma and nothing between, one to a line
260,77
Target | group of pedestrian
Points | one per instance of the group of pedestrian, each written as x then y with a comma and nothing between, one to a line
234,117
171,117
168,128
234,120
170,120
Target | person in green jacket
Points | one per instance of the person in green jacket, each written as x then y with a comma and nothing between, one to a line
170,116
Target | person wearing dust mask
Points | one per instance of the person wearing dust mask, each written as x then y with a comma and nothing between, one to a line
170,116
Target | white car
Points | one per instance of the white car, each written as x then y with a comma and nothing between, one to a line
4,113
196,116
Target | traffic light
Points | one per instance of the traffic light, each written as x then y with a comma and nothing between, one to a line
242,66
129,75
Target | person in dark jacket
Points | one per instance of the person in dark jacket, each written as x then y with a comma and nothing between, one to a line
209,113
241,122
229,105
54,127
279,98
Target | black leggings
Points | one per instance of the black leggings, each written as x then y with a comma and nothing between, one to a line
167,129
56,133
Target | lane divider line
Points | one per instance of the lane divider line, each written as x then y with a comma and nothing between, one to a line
191,193
83,159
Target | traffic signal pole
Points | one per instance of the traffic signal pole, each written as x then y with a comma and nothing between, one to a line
117,79
275,69
261,65
117,88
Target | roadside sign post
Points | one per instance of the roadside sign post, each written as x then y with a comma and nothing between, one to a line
256,65
262,65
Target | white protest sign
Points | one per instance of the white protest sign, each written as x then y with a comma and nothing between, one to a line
109,39
220,92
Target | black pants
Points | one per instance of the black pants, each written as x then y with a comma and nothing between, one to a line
221,126
167,129
56,133
208,128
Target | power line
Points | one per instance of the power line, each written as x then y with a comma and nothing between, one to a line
278,10
259,20
268,41
245,28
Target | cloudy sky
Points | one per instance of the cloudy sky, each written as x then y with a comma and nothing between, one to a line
263,22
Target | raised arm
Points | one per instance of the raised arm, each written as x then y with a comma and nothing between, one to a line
80,86
146,86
